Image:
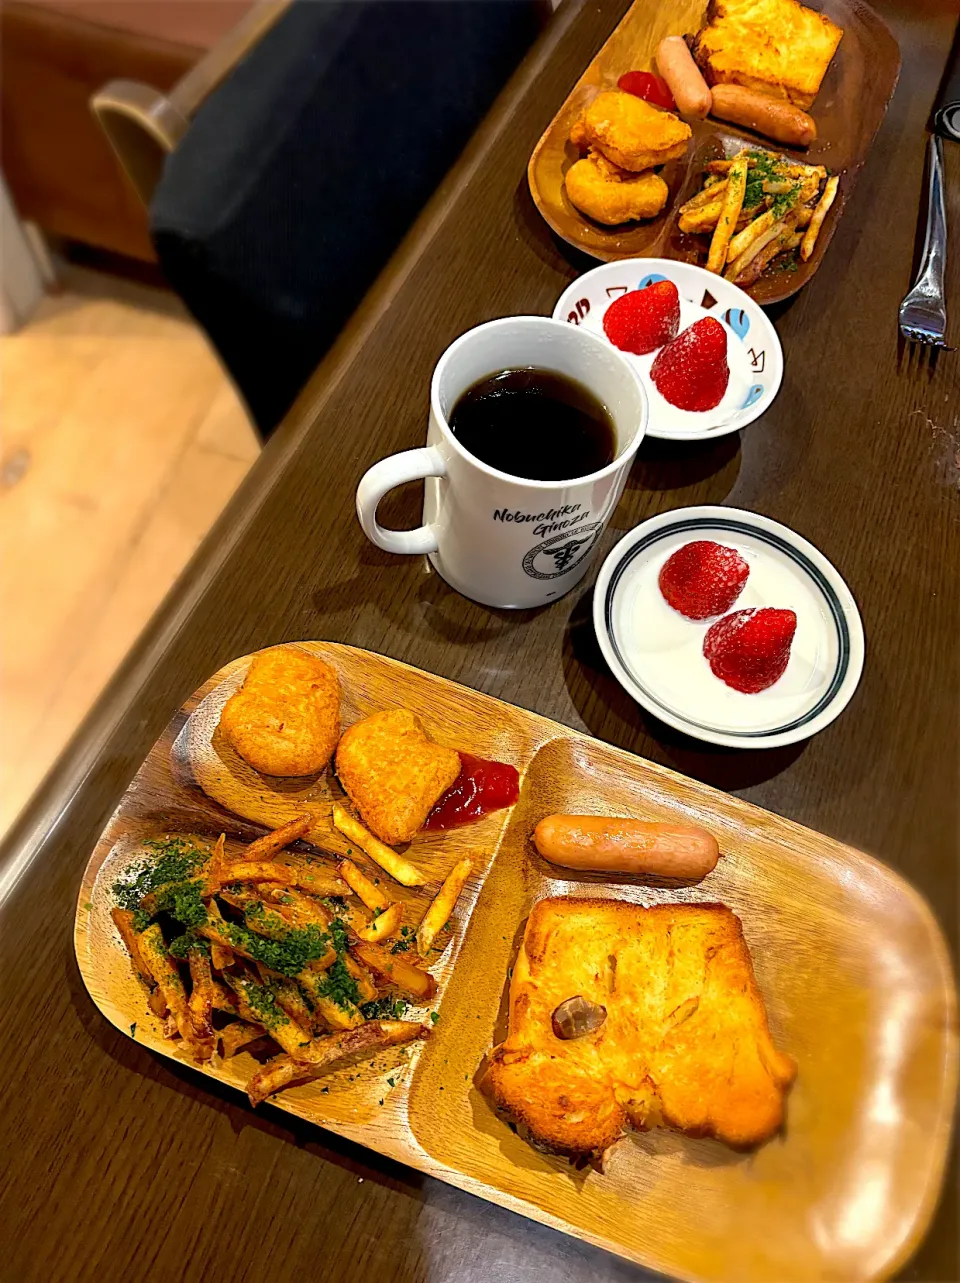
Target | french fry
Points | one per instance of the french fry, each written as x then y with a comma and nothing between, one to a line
361,886
327,1052
201,997
395,970
754,155
383,926
162,968
218,859
265,921
158,1003
786,240
435,918
266,847
797,170
256,1004
237,1035
123,921
312,877
342,1014
354,920
223,999
221,957
706,196
738,264
750,233
819,214
726,223
398,868
299,910
368,990
291,1000
700,220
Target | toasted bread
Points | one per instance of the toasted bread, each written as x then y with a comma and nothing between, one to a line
684,1044
777,47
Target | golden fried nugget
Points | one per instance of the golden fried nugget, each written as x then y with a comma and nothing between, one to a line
614,199
393,773
630,132
285,719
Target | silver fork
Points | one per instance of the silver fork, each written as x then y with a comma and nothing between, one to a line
923,313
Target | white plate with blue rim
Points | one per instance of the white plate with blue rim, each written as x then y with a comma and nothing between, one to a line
656,653
754,354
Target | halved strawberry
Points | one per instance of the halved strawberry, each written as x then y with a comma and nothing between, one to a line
692,372
703,578
645,319
750,649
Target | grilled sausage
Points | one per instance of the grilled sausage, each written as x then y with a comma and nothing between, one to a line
689,89
607,845
773,117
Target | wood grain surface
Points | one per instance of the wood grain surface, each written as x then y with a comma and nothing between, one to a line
118,1164
844,951
848,111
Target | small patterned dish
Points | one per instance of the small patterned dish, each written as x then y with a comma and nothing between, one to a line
753,349
656,654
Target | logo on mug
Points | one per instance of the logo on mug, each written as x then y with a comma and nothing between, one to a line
555,557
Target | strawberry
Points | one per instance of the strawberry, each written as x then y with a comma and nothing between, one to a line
750,649
703,579
645,319
692,372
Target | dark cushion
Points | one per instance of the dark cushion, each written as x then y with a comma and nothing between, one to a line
301,174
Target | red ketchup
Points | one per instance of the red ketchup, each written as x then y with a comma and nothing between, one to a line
481,787
653,89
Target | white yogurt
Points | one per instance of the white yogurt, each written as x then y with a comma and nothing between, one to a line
664,651
663,415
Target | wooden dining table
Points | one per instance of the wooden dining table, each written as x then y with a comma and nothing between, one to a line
119,1165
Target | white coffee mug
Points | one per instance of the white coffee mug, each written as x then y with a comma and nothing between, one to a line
502,540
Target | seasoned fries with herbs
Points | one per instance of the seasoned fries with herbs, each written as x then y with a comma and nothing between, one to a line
753,206
229,956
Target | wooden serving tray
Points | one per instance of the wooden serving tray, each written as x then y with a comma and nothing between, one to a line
848,110
854,971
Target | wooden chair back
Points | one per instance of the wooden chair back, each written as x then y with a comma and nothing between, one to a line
144,125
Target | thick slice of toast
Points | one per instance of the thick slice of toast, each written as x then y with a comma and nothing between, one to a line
777,47
685,1042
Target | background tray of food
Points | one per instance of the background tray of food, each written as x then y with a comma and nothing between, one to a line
848,110
851,965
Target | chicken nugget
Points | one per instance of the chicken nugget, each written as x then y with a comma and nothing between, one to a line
285,718
609,198
393,773
630,132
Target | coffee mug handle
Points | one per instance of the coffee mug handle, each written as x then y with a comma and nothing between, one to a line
411,465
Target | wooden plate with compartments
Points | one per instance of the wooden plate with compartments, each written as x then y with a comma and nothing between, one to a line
854,971
848,110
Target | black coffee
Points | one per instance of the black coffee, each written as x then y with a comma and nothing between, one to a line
535,424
